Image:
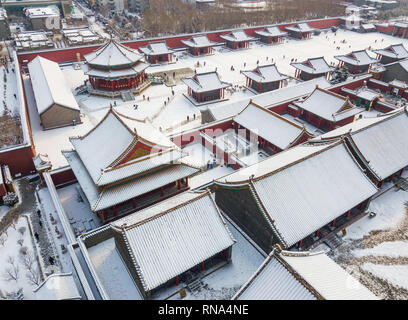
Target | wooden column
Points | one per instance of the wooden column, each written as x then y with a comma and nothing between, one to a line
202,266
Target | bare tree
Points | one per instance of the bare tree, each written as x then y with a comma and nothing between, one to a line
3,238
12,271
29,262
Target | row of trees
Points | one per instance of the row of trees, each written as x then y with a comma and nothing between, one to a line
166,17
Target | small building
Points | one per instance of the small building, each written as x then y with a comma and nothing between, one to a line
364,96
271,35
58,286
124,165
312,68
199,45
325,109
356,62
114,68
32,40
367,27
163,244
264,78
43,18
4,26
380,144
398,88
291,275
80,36
400,29
300,31
383,4
157,52
296,196
205,88
392,53
55,102
272,131
237,40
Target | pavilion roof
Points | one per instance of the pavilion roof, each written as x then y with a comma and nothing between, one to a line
156,48
271,32
205,82
265,74
357,58
396,51
113,55
313,66
301,27
237,36
198,42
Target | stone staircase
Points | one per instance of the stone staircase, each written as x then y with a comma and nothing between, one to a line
194,283
127,96
333,241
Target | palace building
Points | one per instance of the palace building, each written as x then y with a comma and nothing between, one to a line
157,52
325,109
289,275
237,40
300,31
199,45
356,61
114,68
297,195
264,78
271,35
129,170
392,53
205,88
312,68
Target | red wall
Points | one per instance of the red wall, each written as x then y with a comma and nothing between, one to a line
62,177
69,54
19,160
383,29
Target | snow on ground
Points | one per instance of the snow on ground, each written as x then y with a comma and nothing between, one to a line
394,274
13,103
77,210
390,249
198,155
11,248
112,272
390,210
3,211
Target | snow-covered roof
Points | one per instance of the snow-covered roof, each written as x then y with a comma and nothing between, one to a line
112,55
50,86
268,99
301,27
274,281
237,36
205,82
396,51
398,83
328,105
115,73
198,42
41,12
265,74
101,153
368,26
382,141
324,183
363,93
313,66
156,48
271,32
109,196
270,126
58,287
172,237
357,58
288,275
41,162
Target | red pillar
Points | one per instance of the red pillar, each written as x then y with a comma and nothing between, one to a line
161,192
300,244
333,224
115,213
317,233
177,280
134,203
348,214
202,266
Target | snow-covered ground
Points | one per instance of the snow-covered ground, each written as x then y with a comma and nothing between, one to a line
11,249
3,211
376,249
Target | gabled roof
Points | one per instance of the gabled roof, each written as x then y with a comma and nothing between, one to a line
313,66
382,141
396,51
271,32
288,275
265,74
237,36
301,27
325,181
156,48
328,105
204,82
173,236
49,85
112,140
272,127
357,58
112,55
198,42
